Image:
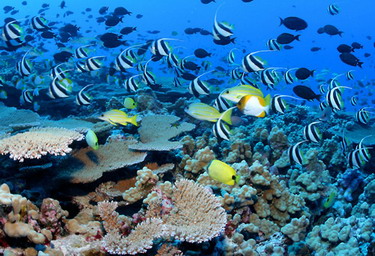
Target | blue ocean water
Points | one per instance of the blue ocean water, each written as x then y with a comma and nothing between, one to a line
254,23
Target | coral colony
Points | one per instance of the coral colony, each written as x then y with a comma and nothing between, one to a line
163,130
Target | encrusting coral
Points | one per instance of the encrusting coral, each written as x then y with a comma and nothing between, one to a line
38,142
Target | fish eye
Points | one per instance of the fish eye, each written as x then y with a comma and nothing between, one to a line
233,177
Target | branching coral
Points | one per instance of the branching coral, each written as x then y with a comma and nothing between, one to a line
39,142
196,216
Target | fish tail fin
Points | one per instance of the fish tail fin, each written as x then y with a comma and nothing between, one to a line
297,37
133,120
360,64
340,33
318,97
312,72
237,179
281,21
233,40
227,116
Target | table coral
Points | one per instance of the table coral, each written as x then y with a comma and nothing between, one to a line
38,142
157,130
87,165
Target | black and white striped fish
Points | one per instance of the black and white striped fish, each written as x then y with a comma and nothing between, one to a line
82,52
295,155
349,75
220,129
198,87
221,103
160,47
24,66
278,105
288,77
39,23
148,77
269,77
235,74
334,98
12,31
364,151
311,132
123,62
273,45
92,64
333,9
172,60
81,66
130,84
60,88
56,71
27,96
82,97
353,100
355,160
362,116
251,63
231,58
221,29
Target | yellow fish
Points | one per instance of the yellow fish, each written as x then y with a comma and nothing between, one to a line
129,103
254,105
236,93
222,172
202,111
117,117
91,139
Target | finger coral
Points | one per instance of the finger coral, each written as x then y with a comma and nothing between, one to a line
38,142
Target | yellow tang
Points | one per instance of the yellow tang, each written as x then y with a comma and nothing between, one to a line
236,93
202,111
222,172
91,139
116,117
129,103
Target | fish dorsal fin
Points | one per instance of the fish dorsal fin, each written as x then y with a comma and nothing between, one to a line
119,112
